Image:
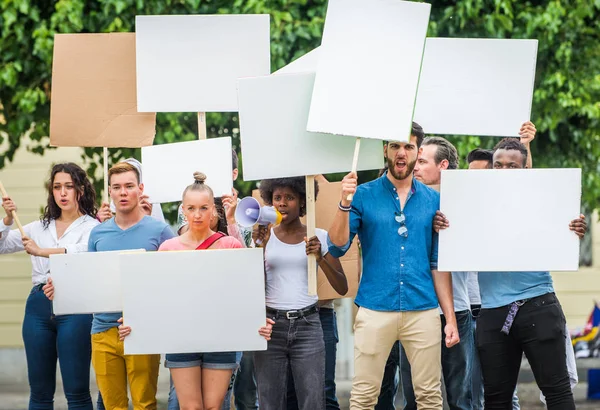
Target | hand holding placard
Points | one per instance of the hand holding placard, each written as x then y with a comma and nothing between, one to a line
14,212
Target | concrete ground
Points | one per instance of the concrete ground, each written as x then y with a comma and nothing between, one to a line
16,397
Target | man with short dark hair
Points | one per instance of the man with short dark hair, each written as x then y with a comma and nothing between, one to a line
400,285
533,324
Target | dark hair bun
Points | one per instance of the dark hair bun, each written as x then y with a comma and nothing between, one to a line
199,177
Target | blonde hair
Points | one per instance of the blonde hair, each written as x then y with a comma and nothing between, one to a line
199,185
121,168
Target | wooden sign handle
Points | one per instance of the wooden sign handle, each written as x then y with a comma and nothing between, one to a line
105,161
310,232
201,126
355,162
14,213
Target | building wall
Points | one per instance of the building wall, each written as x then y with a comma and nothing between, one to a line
24,181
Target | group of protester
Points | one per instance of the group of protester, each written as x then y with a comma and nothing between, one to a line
472,328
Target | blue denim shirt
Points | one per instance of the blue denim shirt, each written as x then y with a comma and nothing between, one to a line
396,269
503,288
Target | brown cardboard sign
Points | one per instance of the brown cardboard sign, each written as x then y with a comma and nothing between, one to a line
94,99
326,206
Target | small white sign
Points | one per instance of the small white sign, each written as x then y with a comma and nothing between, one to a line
368,69
88,282
476,86
169,168
192,63
274,140
510,220
185,291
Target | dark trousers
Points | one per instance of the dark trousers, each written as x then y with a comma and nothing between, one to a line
49,338
296,344
538,331
330,337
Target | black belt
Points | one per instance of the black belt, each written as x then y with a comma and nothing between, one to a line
293,314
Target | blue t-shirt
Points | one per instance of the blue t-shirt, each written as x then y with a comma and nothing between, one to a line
503,288
147,234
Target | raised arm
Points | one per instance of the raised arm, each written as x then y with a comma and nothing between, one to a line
527,133
339,232
10,241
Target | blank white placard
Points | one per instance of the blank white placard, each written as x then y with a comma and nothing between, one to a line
88,282
275,143
510,220
178,302
476,86
192,63
169,168
368,69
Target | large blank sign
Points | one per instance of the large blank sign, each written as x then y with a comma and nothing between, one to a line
192,63
88,282
192,299
476,86
368,68
273,115
169,168
510,220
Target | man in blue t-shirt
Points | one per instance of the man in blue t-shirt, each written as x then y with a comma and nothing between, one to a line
129,229
521,314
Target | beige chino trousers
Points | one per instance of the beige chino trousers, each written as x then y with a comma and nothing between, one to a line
374,335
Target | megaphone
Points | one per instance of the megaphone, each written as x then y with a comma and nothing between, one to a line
249,212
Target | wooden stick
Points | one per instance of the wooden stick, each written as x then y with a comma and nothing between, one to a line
105,160
13,213
310,232
355,162
201,126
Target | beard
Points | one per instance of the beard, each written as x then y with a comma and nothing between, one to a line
391,166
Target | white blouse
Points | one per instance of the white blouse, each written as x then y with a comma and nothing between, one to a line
74,240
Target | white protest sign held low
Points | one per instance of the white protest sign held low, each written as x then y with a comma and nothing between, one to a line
274,140
88,282
368,68
510,220
191,63
476,86
169,168
184,291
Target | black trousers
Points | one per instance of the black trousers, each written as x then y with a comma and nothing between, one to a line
538,331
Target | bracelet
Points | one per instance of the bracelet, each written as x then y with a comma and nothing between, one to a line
344,208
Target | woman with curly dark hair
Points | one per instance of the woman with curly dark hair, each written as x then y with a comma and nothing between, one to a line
68,219
297,338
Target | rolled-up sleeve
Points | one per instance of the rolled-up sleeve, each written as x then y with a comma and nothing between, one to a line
11,240
433,259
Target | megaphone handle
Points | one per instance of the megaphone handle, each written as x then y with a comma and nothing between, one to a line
355,163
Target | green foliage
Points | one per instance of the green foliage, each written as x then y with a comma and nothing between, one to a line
566,107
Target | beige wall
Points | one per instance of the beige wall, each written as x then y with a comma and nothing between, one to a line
24,180
577,291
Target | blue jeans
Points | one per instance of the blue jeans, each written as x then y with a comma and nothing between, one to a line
244,387
457,363
330,337
296,343
173,402
389,383
48,338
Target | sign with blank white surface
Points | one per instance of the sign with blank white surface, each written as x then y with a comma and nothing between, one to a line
191,63
274,140
169,168
368,68
88,282
510,220
183,291
476,86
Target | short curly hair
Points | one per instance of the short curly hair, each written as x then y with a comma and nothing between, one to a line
296,184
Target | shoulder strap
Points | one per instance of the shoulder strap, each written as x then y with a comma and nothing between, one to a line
210,240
